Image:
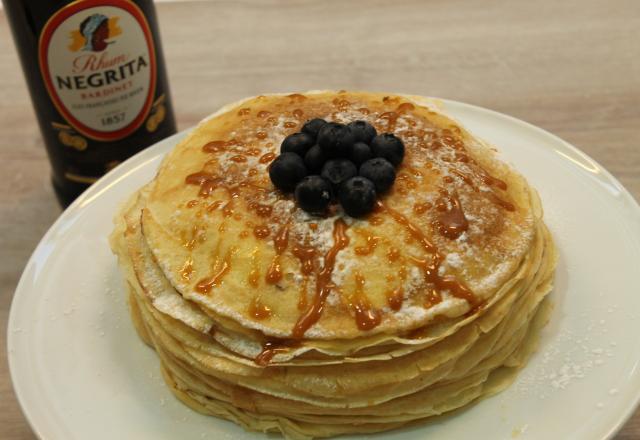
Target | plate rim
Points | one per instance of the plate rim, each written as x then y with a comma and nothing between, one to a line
37,424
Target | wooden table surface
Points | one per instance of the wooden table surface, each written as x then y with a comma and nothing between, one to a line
571,67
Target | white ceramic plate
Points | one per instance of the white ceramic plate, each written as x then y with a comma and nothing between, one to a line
80,371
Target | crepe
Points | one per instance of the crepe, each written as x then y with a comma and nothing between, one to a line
314,326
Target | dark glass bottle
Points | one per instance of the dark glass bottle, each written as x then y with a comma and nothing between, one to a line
97,80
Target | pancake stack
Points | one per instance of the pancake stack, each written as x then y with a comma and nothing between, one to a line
321,325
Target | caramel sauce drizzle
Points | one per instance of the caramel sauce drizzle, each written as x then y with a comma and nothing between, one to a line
430,266
421,207
371,244
430,269
267,157
280,242
391,118
502,203
413,171
433,297
323,282
261,210
414,231
493,181
261,231
465,178
489,181
220,269
367,317
306,255
449,140
405,106
395,298
258,310
218,146
254,274
274,272
302,300
451,221
393,253
254,277
214,205
197,235
187,269
207,182
227,209
270,349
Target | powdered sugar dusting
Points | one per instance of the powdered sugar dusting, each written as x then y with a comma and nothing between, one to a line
430,168
561,368
491,281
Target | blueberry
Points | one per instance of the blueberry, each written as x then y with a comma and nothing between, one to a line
380,172
313,126
359,153
313,194
357,196
362,131
298,143
314,159
337,171
388,146
286,171
335,139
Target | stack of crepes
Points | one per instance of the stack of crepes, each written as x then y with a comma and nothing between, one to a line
315,326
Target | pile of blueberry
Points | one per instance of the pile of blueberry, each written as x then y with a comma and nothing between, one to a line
327,161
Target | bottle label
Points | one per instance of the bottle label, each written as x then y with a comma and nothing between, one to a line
97,60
